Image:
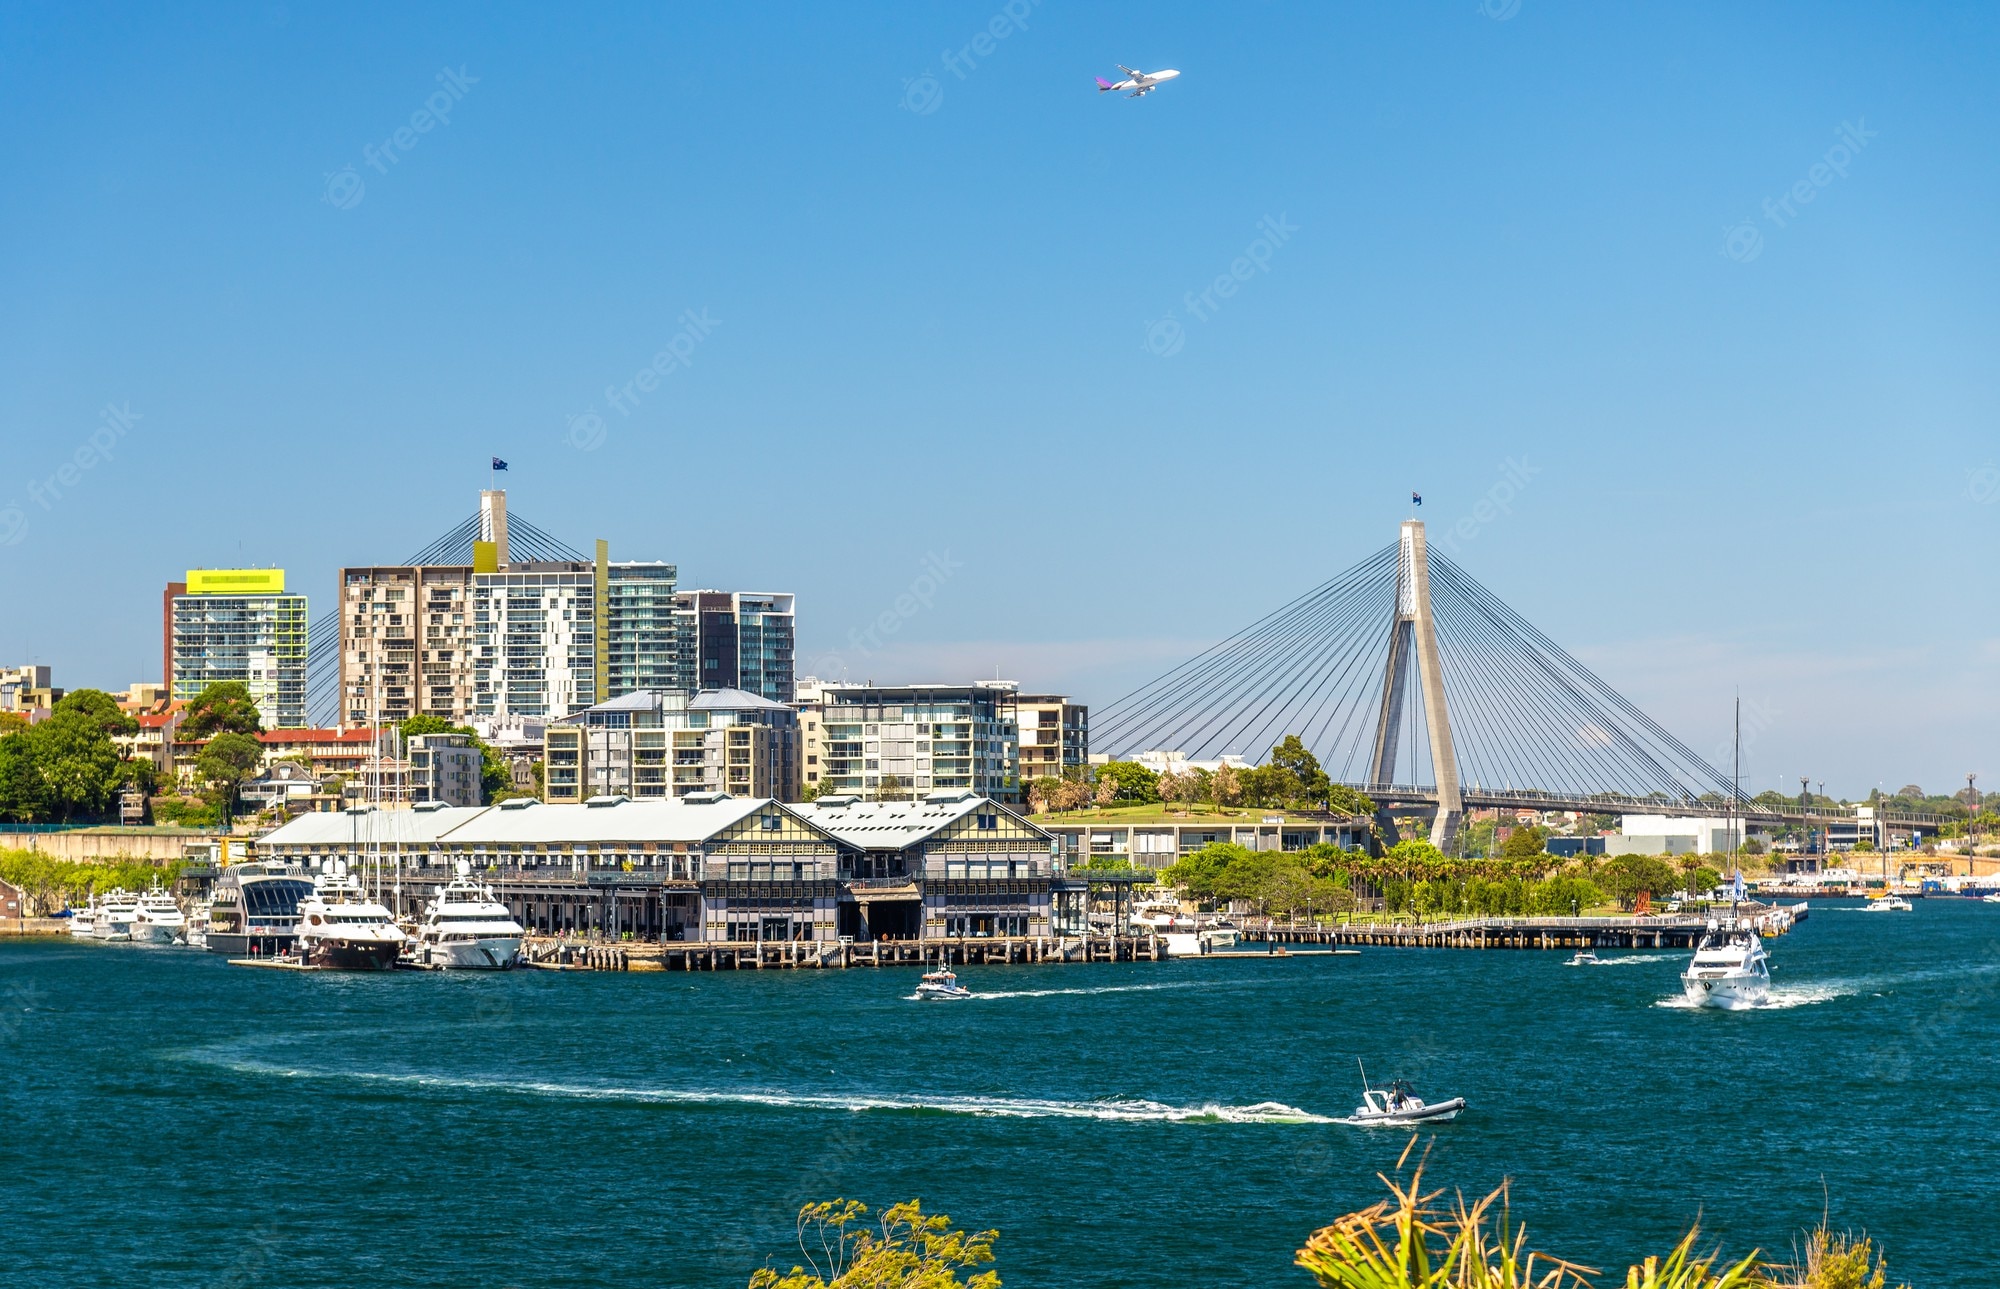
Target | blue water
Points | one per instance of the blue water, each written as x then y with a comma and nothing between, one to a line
168,1120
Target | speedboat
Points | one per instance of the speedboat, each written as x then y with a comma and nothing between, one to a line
341,929
1730,971
1583,958
1994,898
114,915
941,986
466,927
1889,904
159,919
83,921
1399,1106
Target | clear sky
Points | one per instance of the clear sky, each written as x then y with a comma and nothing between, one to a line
1722,278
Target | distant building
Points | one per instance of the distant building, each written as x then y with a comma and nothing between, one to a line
278,787
1162,761
27,691
906,741
1054,734
445,768
239,624
1668,835
735,640
661,743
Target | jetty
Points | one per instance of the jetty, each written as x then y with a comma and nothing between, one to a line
810,955
1673,931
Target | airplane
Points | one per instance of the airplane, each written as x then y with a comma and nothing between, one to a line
1141,83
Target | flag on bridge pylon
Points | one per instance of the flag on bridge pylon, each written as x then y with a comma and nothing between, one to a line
1416,499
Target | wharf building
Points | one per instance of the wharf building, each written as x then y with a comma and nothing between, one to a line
707,867
238,624
1158,843
665,743
904,741
544,636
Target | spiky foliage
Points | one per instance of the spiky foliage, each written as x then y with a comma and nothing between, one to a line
1831,1261
1407,1242
913,1250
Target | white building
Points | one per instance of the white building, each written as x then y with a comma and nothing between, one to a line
1668,835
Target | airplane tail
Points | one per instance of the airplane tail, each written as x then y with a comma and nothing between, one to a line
1103,85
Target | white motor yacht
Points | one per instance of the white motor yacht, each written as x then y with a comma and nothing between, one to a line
466,927
83,921
1583,958
114,915
941,986
158,919
1889,904
1730,971
341,929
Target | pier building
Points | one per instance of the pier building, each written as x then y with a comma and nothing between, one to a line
708,866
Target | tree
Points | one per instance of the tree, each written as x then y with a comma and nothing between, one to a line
1042,793
224,707
1293,755
1227,785
1624,876
24,794
913,1251
1350,801
225,763
76,757
1134,781
1072,794
892,788
1171,788
1270,786
1201,872
1106,792
1525,843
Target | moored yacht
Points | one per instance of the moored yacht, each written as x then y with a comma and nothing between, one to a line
341,929
158,919
114,915
83,921
1730,971
466,927
254,910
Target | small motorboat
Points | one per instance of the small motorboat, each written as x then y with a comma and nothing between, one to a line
1399,1106
1583,958
1990,899
1889,904
941,986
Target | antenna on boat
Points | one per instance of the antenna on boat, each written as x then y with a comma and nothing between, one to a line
1364,1073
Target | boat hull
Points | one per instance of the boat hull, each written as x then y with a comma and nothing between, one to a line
239,944
942,995
350,955
153,933
1442,1112
488,953
1727,993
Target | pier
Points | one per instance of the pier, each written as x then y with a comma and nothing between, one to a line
750,955
1671,932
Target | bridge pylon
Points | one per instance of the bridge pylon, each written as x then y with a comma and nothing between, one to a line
1414,631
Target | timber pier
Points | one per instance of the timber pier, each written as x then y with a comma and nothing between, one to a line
749,955
1673,932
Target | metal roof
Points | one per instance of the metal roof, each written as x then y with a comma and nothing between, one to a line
370,827
728,700
666,819
896,825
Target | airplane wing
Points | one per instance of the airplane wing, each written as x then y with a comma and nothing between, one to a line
1142,91
1128,71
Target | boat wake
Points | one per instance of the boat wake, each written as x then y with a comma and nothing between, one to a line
1630,959
1111,1109
1781,998
1101,989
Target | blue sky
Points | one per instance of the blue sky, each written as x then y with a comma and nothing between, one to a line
939,298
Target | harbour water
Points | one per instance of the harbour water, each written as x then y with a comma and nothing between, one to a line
171,1121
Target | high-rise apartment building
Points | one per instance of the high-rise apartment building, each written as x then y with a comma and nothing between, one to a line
638,650
735,640
239,624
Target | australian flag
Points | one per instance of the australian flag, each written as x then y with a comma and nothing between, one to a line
1416,498
498,464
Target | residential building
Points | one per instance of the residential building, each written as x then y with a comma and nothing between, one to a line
27,691
143,696
658,743
519,740
1163,761
445,768
280,786
239,624
950,865
735,640
878,741
1054,734
501,637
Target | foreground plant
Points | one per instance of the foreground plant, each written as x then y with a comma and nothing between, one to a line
1835,1262
1406,1242
913,1250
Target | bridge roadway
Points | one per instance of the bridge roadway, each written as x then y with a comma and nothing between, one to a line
1397,795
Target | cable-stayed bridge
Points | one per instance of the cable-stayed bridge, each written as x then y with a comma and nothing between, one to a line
1414,683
